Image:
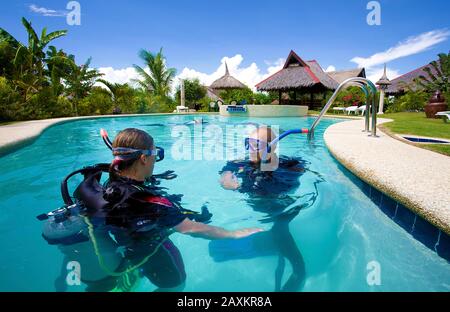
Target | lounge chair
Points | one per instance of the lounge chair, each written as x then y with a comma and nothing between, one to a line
339,109
444,115
352,109
362,109
182,109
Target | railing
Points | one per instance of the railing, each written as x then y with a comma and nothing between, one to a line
369,90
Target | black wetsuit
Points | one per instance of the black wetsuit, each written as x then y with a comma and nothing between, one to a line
140,220
264,185
268,193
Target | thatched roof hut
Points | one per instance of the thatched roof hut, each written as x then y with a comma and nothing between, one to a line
227,82
297,74
302,77
401,84
305,77
342,75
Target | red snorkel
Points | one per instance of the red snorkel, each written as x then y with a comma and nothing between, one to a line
106,139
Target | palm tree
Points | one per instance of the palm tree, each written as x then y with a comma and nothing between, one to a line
158,78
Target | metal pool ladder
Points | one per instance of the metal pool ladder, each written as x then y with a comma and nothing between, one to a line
369,90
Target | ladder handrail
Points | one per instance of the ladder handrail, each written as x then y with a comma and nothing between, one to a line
369,90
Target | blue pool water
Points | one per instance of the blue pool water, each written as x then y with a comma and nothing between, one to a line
425,140
340,235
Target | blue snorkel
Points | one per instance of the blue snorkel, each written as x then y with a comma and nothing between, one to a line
268,148
285,134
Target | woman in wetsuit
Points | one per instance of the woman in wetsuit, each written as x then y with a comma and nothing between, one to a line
141,220
267,179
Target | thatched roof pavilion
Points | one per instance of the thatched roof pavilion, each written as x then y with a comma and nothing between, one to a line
342,75
298,76
401,84
227,82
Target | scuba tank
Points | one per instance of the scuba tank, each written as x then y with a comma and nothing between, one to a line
71,231
65,226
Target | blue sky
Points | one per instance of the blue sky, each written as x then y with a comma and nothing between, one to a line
254,36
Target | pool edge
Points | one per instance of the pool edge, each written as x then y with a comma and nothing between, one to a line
367,176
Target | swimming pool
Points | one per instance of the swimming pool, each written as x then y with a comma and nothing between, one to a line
343,235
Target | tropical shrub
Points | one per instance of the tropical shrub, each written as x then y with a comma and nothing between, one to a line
9,101
205,104
194,92
352,96
97,102
264,98
410,101
238,95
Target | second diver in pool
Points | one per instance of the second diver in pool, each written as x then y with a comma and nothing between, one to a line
268,178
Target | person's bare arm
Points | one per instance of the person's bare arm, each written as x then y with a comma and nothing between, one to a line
197,229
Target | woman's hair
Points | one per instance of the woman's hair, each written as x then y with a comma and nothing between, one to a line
128,138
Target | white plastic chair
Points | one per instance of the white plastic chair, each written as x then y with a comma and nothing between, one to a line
445,115
352,109
339,109
362,110
182,109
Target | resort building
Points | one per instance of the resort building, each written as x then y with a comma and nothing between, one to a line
305,83
401,84
341,76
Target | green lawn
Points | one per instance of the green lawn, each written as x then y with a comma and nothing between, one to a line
418,124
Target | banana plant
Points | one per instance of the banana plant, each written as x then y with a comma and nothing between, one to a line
437,75
29,59
80,81
59,66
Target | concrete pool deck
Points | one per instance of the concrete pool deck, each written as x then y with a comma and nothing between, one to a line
415,177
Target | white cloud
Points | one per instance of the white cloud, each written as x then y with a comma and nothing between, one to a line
125,75
330,68
46,12
375,73
249,75
410,46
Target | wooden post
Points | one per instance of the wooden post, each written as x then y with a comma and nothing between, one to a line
279,97
311,99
